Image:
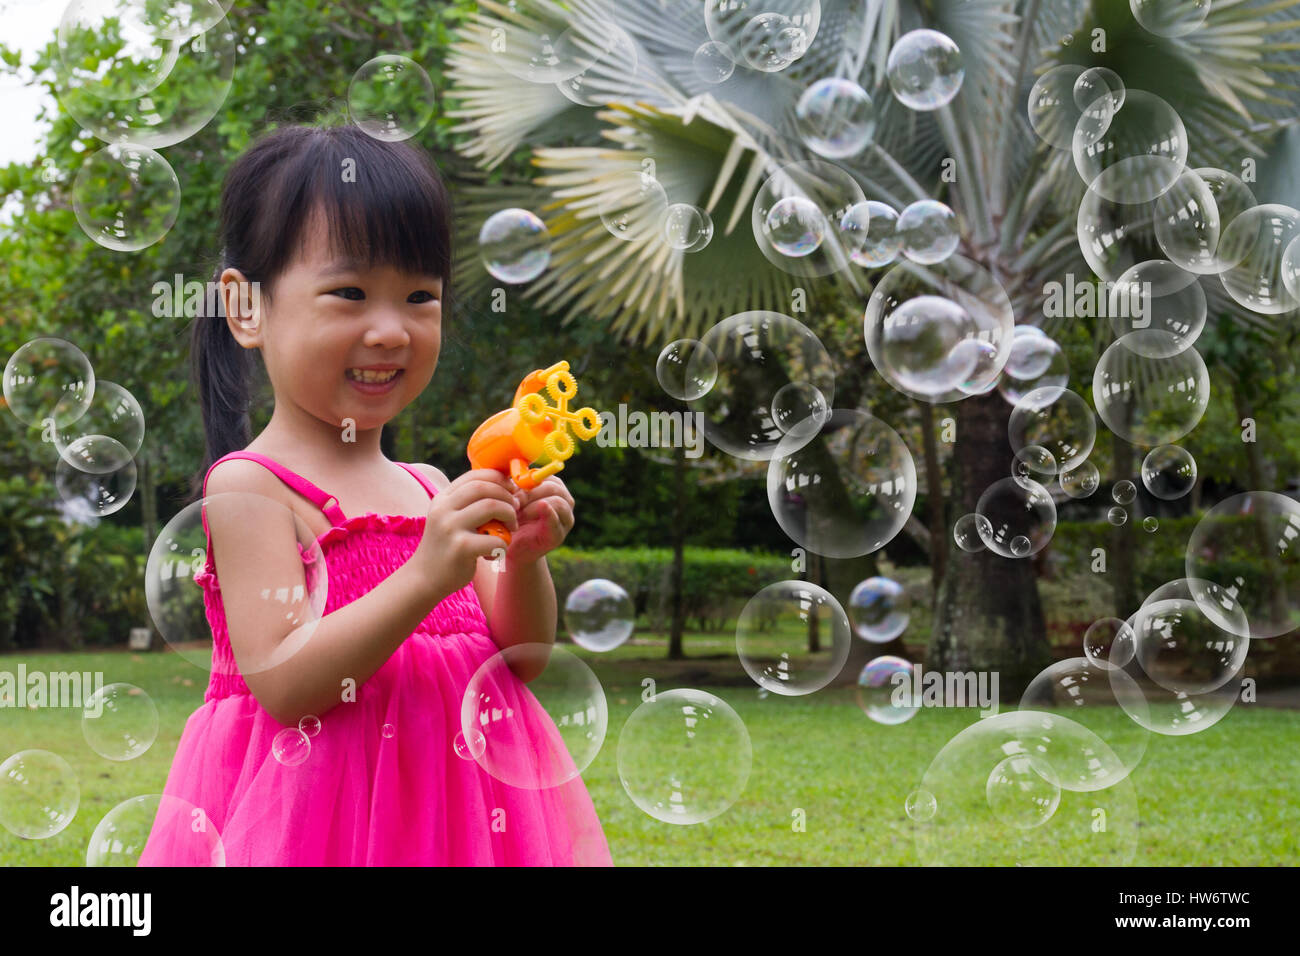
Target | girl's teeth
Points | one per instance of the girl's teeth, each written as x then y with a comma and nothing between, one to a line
376,377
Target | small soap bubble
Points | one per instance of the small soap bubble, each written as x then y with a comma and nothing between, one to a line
879,610
119,722
928,230
107,483
836,118
1020,546
920,805
1170,18
1016,508
795,227
1081,481
633,206
925,69
391,98
309,725
1123,491
869,233
686,369
800,407
387,731
1108,642
39,794
918,344
126,197
1150,523
174,828
1150,401
882,685
48,377
1096,82
772,638
1251,250
1020,793
1169,472
714,62
469,747
1034,462
1117,516
969,532
599,615
687,227
514,245
291,747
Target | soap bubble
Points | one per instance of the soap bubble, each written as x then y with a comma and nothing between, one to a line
928,230
1168,472
714,62
108,48
179,560
1246,545
687,227
881,682
599,615
797,218
119,722
1108,642
617,58
48,377
514,245
538,734
1117,516
769,34
185,90
391,98
879,610
836,118
1141,153
961,302
684,756
183,20
1170,18
755,355
1183,650
970,530
1231,196
794,226
1058,420
1034,350
291,747
870,233
1080,481
1123,491
1150,523
925,69
113,413
126,197
1114,236
1150,401
108,482
967,830
1055,108
39,794
1019,794
1096,82
388,731
1157,308
799,407
545,48
633,206
1251,249
163,826
1188,224
1034,462
920,805
845,491
471,746
1016,507
672,365
309,725
772,638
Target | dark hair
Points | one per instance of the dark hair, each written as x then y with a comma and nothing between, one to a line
394,211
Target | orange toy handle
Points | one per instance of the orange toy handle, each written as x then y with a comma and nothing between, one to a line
497,529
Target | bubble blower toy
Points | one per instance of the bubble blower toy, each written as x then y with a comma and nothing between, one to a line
512,441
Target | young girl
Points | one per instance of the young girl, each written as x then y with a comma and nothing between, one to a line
349,241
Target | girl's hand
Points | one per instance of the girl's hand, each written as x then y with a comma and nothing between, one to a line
545,520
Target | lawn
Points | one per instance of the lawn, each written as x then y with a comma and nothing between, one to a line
1222,797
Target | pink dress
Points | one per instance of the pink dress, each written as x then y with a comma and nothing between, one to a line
382,784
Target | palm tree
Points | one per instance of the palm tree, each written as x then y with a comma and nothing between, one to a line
712,145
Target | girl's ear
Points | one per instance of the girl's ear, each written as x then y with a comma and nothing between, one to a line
243,305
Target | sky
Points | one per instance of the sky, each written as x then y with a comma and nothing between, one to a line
25,25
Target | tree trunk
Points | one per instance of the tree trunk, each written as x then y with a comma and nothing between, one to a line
1120,568
676,596
149,525
988,616
934,496
816,574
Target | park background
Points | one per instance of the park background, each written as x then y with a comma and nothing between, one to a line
690,540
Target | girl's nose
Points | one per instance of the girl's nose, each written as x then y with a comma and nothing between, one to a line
386,329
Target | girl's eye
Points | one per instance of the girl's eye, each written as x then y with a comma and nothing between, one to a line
351,293
421,297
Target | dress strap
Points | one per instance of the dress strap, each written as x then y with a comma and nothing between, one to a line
326,502
428,486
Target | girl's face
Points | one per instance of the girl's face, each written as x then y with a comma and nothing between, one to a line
333,323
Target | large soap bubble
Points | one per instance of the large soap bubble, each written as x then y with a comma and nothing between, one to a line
1175,713
879,609
793,638
684,756
39,794
1114,236
1055,106
1140,154
967,286
1168,472
538,734
391,98
1058,420
1159,307
1246,545
928,231
170,828
925,69
836,118
514,245
1150,401
119,722
113,413
797,214
1020,516
847,490
1188,224
966,830
1170,18
108,48
48,377
1036,365
1251,250
750,357
599,615
1183,649
126,197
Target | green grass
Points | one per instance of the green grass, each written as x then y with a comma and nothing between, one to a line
1223,797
